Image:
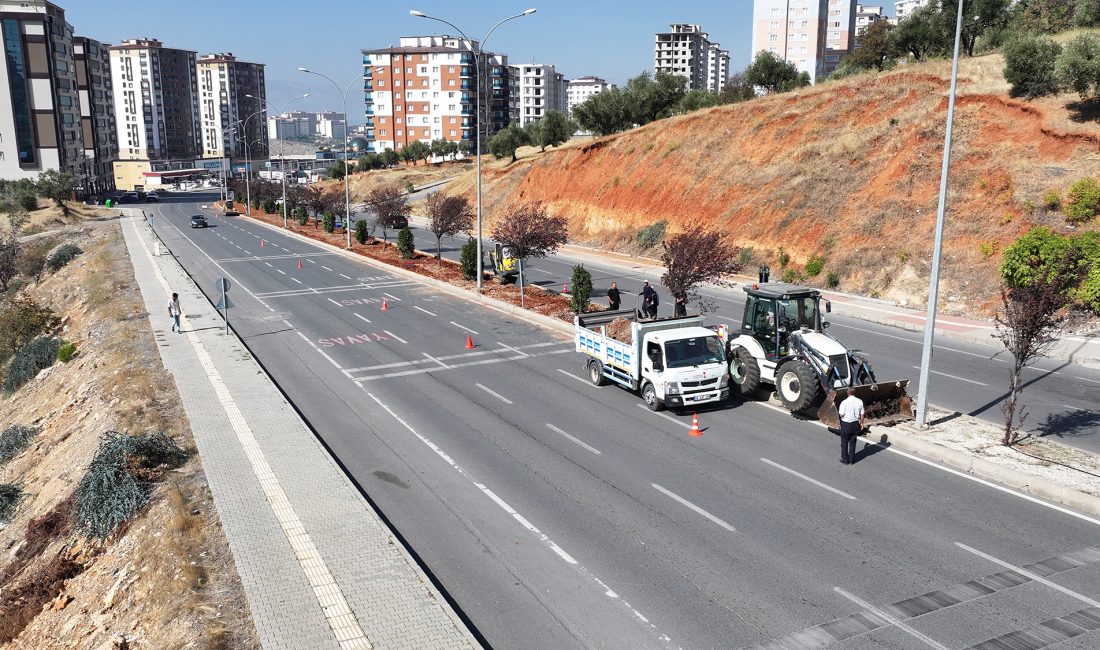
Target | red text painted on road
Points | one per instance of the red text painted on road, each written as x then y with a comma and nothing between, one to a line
354,339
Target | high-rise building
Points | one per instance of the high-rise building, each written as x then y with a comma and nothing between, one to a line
156,101
423,89
97,113
332,128
686,50
814,35
902,8
231,107
303,125
536,89
866,15
580,89
40,116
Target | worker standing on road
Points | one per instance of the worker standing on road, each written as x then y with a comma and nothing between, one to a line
764,273
851,425
679,310
174,312
613,297
645,298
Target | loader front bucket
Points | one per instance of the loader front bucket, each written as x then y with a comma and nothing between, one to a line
883,403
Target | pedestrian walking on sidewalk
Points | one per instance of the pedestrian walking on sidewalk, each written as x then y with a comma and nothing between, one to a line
174,312
613,297
851,425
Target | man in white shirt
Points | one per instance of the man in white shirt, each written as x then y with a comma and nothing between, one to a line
174,312
851,424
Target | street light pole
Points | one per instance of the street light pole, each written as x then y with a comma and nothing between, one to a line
248,159
282,163
478,52
225,164
344,98
937,246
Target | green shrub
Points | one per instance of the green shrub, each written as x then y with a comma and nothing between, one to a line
746,256
27,200
33,357
581,284
361,231
988,248
255,203
409,187
792,276
66,352
652,234
301,214
832,280
784,258
469,260
1052,200
15,439
1030,66
120,478
21,320
62,256
1082,201
814,266
10,496
1078,66
406,245
329,222
270,207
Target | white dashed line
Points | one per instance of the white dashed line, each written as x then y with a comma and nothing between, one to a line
345,276
568,374
582,444
423,310
463,327
808,479
494,393
364,318
1037,578
944,374
694,507
666,416
296,280
890,619
325,267
281,271
396,337
430,357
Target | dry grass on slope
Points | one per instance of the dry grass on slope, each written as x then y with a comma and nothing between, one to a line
847,170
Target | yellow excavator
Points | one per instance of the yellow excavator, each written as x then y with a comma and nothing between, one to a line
505,265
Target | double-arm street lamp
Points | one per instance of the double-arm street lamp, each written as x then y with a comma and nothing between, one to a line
248,159
478,50
282,162
344,98
225,162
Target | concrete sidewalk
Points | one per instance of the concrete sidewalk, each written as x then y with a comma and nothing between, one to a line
319,567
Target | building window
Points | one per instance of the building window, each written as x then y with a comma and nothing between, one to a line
399,132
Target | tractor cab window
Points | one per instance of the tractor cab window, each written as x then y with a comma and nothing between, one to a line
798,313
763,324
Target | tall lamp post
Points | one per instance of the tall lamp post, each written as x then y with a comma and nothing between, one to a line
478,51
248,160
344,98
937,246
282,171
225,162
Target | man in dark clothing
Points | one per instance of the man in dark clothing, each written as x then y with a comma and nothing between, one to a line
613,297
679,310
764,273
654,300
645,297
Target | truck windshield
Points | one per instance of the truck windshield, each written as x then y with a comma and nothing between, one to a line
798,313
694,352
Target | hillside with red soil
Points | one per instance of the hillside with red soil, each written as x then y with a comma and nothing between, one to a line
847,171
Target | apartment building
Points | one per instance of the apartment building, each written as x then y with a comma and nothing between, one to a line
231,107
686,50
536,89
97,113
902,8
578,90
41,126
332,128
814,35
424,89
303,125
156,99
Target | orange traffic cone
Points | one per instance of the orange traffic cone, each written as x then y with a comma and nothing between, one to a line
695,430
470,342
261,243
565,287
385,305
299,263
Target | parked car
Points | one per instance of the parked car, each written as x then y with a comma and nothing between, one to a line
198,221
152,195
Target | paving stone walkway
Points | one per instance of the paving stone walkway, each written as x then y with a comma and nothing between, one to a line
319,567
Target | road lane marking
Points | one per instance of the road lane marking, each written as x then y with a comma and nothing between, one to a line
944,374
394,336
447,357
430,357
808,479
1028,574
281,271
544,271
892,620
269,264
345,276
665,416
424,310
494,393
296,280
1075,408
508,347
694,507
571,375
392,297
364,318
463,327
325,267
334,302
579,442
311,261
559,551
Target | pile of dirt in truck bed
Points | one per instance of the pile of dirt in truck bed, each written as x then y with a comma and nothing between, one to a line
619,329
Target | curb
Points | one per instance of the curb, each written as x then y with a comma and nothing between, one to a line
987,469
968,463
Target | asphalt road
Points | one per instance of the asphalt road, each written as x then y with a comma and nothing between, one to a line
1061,398
557,514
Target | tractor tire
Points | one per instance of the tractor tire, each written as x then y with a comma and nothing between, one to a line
595,373
649,394
797,386
744,371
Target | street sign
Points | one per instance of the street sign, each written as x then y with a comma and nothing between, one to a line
223,285
224,303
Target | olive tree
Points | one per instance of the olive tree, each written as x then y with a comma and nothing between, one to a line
530,231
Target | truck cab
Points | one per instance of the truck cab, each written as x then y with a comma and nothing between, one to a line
673,362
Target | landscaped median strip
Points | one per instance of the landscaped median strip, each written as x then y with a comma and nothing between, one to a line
896,439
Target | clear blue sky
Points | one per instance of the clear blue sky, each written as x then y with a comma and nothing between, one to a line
613,40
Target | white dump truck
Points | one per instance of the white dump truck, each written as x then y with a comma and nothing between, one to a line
673,362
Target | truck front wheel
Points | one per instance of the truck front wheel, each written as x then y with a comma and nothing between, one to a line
595,372
649,394
744,370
